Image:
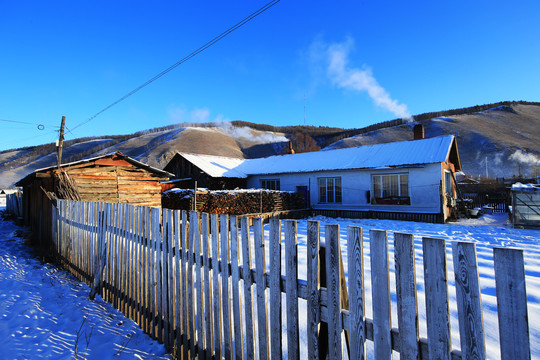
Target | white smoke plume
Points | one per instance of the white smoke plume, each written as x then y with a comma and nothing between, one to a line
245,132
349,77
525,158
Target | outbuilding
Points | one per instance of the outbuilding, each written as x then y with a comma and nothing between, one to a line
114,178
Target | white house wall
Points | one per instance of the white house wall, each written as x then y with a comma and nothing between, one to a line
424,188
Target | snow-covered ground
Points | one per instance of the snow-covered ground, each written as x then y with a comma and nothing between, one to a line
42,309
45,313
487,232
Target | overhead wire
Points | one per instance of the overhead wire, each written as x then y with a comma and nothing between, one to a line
39,125
183,60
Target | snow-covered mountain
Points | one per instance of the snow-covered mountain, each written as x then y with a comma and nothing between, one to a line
506,137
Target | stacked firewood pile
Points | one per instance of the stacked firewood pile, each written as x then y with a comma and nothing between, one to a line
233,202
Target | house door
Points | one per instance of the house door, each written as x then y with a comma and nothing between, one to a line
305,192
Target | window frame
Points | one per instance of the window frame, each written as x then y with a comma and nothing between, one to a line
276,184
332,190
390,189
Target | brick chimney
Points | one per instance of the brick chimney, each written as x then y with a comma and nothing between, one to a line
418,132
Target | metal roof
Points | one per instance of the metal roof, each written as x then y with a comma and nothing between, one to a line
396,154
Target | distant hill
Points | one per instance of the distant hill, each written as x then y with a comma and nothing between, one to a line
507,134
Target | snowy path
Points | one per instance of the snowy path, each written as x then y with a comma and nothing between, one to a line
42,309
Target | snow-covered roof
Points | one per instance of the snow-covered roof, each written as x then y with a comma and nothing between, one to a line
216,166
526,187
396,154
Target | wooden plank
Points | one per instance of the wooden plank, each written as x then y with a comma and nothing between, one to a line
471,323
407,305
237,315
187,320
147,274
194,221
152,302
178,283
225,292
248,285
511,303
355,257
102,256
291,289
436,289
275,289
333,284
165,241
260,280
216,287
158,243
206,287
170,280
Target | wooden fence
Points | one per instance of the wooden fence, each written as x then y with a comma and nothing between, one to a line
14,204
183,284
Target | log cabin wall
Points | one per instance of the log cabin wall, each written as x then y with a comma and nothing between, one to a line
117,181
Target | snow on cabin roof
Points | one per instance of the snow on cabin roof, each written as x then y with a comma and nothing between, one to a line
396,154
216,166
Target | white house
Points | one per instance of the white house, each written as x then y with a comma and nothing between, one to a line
410,180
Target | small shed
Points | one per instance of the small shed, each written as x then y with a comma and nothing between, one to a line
526,205
208,171
114,178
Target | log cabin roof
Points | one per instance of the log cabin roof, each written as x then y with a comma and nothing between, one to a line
396,154
112,159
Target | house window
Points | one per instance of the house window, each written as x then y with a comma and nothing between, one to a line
448,182
391,189
330,190
270,184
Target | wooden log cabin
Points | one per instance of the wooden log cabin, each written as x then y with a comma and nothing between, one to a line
113,178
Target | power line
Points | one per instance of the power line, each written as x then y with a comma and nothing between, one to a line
39,126
183,60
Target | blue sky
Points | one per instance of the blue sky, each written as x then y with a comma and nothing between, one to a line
352,63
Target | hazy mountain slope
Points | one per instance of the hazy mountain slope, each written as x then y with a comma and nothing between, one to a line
508,137
155,148
507,134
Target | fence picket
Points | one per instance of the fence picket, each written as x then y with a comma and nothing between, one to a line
214,229
333,283
291,287
237,315
206,287
166,235
275,289
511,303
186,333
178,284
260,281
355,252
190,292
436,289
225,292
407,307
471,324
248,286
199,318
380,280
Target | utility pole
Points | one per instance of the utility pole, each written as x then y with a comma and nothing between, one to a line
60,142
